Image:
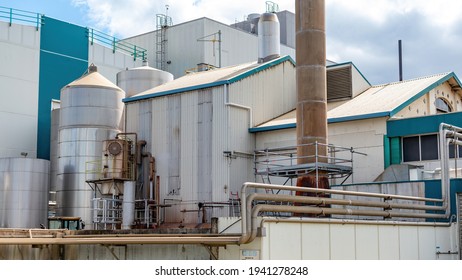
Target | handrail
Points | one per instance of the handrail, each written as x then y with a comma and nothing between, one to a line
116,44
15,15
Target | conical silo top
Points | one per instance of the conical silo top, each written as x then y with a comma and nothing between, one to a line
92,79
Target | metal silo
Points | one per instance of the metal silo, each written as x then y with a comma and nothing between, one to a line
91,112
268,37
139,79
23,192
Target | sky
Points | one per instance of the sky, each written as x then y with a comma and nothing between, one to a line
365,32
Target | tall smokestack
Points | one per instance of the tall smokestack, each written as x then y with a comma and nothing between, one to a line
311,78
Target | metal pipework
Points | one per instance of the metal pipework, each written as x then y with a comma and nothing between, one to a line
445,131
246,223
311,77
319,201
323,212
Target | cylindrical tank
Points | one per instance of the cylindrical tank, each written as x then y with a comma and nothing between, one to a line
139,79
269,46
23,192
91,111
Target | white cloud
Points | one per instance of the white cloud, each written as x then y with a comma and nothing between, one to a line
125,18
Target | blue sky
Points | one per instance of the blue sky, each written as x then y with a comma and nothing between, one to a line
365,32
59,9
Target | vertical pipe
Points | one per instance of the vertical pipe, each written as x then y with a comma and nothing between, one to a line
219,48
128,204
400,53
311,78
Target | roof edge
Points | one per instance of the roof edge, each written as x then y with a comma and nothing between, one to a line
424,91
331,120
234,79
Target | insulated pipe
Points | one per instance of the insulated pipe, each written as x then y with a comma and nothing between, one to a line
244,221
318,201
323,211
124,240
446,130
128,204
310,40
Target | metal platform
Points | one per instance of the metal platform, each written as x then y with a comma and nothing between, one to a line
282,162
292,171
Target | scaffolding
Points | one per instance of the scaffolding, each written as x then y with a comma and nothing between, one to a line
283,162
162,24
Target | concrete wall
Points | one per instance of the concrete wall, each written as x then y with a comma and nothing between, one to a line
19,80
337,241
110,63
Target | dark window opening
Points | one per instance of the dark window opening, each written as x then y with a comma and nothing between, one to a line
442,106
429,147
411,150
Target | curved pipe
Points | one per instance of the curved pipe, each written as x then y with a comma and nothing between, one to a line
323,211
244,205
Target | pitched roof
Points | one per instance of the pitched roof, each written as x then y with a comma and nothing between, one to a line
210,78
378,101
387,99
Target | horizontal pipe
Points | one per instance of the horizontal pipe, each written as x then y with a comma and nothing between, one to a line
245,207
329,201
122,240
324,211
355,222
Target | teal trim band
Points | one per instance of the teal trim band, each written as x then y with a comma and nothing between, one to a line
386,152
424,91
239,77
396,154
331,120
272,127
174,91
358,117
262,67
421,125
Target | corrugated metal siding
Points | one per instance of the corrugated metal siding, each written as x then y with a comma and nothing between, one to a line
339,83
220,168
271,93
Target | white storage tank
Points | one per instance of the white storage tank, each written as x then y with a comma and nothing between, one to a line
268,37
136,80
91,112
24,192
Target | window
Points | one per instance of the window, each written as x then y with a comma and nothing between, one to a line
422,147
429,147
411,149
442,106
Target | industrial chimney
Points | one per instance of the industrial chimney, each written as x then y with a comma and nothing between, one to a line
269,46
311,85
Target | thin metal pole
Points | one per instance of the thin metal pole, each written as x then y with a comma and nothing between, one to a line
219,48
400,51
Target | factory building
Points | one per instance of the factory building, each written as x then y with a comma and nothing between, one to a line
204,166
210,44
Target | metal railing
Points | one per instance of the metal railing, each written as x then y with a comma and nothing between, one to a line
14,15
283,162
116,44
